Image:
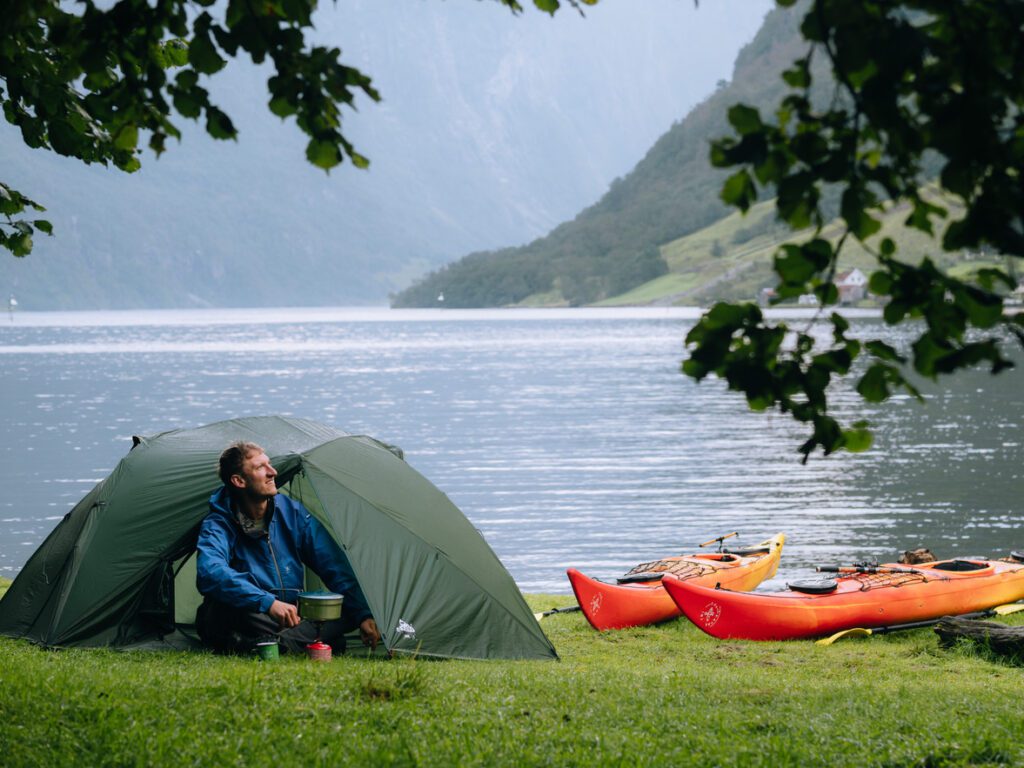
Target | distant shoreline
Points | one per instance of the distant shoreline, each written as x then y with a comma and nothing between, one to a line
236,316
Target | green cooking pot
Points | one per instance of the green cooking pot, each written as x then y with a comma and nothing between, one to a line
320,606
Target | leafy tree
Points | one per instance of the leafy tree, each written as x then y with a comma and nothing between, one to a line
918,84
92,80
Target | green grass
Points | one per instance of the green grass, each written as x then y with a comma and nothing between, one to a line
658,696
653,290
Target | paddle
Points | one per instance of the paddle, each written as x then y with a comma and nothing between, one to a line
719,540
567,609
864,569
999,610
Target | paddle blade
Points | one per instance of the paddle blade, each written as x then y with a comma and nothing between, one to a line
567,609
852,632
1006,610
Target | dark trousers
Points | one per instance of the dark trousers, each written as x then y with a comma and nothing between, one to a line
232,630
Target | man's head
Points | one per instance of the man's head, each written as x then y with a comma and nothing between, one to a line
245,469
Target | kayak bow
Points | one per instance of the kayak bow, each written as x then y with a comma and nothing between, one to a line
639,598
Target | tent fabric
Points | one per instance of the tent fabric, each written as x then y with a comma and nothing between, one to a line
119,569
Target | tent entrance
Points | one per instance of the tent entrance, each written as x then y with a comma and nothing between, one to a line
184,599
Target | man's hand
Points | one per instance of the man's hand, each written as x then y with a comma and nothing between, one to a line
285,614
369,633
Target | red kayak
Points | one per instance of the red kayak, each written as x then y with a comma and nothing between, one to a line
638,598
864,596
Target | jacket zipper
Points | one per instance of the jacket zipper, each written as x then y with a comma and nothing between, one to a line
277,568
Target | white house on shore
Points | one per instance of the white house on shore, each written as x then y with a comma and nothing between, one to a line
852,285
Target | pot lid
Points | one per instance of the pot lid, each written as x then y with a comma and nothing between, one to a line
320,596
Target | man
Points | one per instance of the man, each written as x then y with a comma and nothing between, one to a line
253,546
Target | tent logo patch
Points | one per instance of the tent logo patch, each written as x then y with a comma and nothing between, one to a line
406,629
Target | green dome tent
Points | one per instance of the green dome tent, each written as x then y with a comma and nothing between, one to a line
119,569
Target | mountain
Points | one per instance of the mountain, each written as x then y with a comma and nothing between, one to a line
617,243
493,129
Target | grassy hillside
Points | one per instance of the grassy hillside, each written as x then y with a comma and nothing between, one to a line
732,259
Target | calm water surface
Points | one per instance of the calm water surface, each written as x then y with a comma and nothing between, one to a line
568,437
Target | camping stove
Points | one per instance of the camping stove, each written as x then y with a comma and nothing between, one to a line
319,607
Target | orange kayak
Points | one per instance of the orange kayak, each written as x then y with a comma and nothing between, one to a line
638,598
866,597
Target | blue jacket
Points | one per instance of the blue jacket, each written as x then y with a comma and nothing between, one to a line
240,571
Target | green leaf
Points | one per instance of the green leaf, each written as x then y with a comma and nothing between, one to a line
203,56
694,369
739,190
20,244
745,119
299,11
883,351
799,76
857,440
187,79
827,294
840,325
983,309
65,140
186,104
854,206
174,53
880,283
323,154
127,137
834,361
282,107
874,384
219,125
10,201
793,266
43,226
725,315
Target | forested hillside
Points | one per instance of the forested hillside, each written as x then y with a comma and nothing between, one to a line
615,244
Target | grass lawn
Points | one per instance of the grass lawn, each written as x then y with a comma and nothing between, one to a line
658,696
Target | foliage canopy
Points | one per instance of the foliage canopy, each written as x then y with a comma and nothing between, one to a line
916,82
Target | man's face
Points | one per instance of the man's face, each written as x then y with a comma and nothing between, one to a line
257,477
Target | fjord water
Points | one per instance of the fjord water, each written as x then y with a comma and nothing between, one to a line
568,437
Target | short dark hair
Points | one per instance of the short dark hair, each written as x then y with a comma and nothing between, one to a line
233,457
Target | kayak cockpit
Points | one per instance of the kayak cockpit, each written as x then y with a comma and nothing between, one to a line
960,566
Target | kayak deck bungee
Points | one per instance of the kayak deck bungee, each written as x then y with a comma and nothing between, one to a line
867,597
638,599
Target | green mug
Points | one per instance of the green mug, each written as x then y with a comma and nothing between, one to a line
267,650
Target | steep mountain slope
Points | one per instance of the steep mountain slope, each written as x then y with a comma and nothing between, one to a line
493,129
614,244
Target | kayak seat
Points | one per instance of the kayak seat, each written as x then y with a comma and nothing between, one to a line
814,586
959,565
718,557
634,578
748,551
